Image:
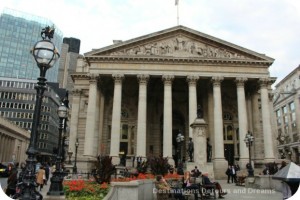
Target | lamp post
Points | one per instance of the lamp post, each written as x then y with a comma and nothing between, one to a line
45,55
76,148
56,187
179,140
249,141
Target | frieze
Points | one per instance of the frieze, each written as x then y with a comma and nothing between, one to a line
179,47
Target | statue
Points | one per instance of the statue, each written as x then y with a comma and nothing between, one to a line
208,150
199,112
191,149
47,32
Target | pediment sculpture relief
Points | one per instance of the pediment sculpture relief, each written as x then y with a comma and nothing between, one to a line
179,47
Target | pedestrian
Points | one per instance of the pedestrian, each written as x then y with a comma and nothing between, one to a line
228,173
196,172
206,181
12,181
47,173
233,174
40,178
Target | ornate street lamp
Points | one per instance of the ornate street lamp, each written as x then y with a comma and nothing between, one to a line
179,140
76,148
45,55
249,141
56,187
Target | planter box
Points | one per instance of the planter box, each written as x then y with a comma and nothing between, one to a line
263,182
138,189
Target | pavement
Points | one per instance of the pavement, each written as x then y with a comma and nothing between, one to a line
47,197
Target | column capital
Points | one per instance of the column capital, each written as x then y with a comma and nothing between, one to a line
143,78
118,77
192,79
168,78
93,78
264,82
240,81
76,92
216,80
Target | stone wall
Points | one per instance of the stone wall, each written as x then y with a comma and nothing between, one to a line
139,189
263,182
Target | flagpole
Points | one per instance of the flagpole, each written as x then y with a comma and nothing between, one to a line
177,14
177,4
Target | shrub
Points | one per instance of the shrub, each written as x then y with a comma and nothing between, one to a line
159,165
104,169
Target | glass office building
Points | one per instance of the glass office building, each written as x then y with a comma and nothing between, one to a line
18,34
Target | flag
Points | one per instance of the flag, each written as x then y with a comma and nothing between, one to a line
176,2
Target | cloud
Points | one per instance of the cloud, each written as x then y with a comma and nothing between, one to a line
270,27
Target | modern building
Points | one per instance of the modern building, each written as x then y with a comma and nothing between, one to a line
287,113
18,34
17,103
68,62
135,96
19,72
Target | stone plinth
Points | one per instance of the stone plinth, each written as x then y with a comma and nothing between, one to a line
199,138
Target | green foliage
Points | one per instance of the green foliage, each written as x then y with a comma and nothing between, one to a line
159,165
104,169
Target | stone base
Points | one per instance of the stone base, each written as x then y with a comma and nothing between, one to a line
115,160
220,167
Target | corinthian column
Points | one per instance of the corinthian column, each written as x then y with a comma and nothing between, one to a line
74,119
243,121
219,161
192,80
167,138
142,116
91,117
116,118
266,121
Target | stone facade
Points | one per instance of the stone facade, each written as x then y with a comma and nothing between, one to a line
13,142
135,96
287,114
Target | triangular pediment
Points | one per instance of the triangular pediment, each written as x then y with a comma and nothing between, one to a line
179,42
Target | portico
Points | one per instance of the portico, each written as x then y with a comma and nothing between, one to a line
134,97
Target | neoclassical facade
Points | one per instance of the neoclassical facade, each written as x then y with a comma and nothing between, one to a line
135,96
13,142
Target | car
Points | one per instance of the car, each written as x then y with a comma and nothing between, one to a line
3,170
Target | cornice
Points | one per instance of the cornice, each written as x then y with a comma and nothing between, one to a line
174,60
80,76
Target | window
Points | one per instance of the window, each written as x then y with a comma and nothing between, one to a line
124,132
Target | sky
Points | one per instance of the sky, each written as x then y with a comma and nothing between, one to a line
270,27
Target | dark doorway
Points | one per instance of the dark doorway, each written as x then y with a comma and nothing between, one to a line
123,147
229,153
